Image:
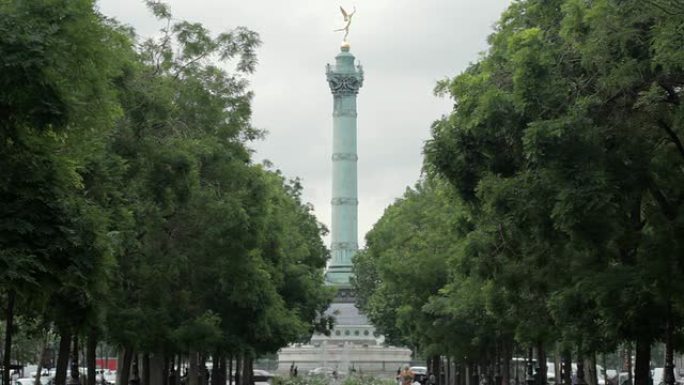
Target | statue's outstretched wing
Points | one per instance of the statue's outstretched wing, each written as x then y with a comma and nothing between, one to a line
344,13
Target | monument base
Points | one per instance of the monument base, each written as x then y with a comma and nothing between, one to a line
352,346
345,358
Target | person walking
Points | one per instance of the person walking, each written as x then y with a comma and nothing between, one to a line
431,379
406,376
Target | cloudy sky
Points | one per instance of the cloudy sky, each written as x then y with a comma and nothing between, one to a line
405,46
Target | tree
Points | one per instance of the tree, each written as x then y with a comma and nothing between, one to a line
406,263
58,60
556,143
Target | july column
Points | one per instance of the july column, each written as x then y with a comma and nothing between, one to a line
345,79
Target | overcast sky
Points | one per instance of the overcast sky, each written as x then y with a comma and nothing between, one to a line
405,46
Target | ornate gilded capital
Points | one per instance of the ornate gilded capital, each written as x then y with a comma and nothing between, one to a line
345,83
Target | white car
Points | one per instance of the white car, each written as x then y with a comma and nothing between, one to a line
419,373
659,377
262,377
322,372
109,377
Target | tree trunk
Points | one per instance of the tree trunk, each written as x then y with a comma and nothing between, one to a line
223,373
580,366
193,372
124,371
216,369
156,372
73,369
630,377
9,329
669,377
230,369
135,370
529,376
203,372
248,370
91,357
443,367
63,357
507,356
173,372
238,369
566,372
145,380
590,370
541,364
41,357
642,371
165,371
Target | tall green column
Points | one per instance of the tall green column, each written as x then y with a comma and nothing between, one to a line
345,79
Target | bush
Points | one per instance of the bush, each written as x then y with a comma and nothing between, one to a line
316,380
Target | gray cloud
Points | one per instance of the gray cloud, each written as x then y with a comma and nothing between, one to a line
405,46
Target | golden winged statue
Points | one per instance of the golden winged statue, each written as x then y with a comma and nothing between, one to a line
348,20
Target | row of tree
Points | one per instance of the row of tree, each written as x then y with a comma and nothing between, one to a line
551,214
130,209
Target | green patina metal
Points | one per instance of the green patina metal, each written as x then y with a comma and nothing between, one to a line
345,79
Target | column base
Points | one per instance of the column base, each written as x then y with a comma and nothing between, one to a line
338,275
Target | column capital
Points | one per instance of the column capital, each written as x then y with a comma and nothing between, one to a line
342,83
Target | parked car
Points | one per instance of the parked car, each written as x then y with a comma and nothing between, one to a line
323,372
262,377
658,376
108,375
419,374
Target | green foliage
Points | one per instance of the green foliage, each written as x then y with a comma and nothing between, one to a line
130,205
367,380
301,380
317,380
406,261
557,145
564,151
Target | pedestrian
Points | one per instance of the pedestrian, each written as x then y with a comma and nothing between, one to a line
292,369
432,380
295,371
406,376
